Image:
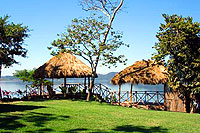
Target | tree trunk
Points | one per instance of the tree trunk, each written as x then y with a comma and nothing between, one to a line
119,92
85,87
64,94
188,103
0,80
41,87
131,94
65,88
90,88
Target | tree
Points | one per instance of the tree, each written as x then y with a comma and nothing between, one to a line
107,7
179,48
28,76
24,75
11,41
92,38
85,39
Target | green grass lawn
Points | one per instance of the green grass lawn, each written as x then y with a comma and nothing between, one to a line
81,116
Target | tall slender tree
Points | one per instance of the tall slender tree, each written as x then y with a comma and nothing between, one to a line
179,48
93,38
85,39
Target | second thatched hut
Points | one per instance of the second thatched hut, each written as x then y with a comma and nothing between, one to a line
142,72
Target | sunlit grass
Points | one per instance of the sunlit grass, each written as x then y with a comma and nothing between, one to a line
81,116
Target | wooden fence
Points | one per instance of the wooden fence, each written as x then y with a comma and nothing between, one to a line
104,93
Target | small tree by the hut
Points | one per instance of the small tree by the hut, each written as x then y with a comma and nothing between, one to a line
85,38
92,39
25,75
179,47
28,77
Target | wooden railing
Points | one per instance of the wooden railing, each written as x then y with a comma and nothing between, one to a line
30,91
105,94
79,87
141,97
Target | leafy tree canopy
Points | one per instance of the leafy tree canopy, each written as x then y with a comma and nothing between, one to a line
85,38
27,76
92,38
179,48
11,41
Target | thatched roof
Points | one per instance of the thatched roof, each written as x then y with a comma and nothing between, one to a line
142,72
63,65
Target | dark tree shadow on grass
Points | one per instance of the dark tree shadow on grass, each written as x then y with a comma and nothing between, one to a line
9,122
140,129
39,119
12,121
76,130
13,108
40,131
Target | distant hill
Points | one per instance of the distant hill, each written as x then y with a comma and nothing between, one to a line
106,77
6,78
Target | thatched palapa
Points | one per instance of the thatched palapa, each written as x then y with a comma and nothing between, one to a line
142,72
63,65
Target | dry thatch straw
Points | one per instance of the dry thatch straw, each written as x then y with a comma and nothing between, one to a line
142,72
63,65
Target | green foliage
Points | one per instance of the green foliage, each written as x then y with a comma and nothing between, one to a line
27,76
85,38
114,98
179,48
63,89
73,89
11,41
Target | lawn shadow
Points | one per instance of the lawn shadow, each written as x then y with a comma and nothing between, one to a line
40,130
13,121
10,122
4,108
76,130
39,119
140,129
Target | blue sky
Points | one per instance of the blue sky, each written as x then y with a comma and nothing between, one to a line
139,21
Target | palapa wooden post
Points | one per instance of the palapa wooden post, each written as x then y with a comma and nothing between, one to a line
41,87
165,101
65,81
111,101
65,90
88,82
119,94
85,87
127,95
131,93
52,82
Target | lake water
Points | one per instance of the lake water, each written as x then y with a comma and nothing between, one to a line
13,85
